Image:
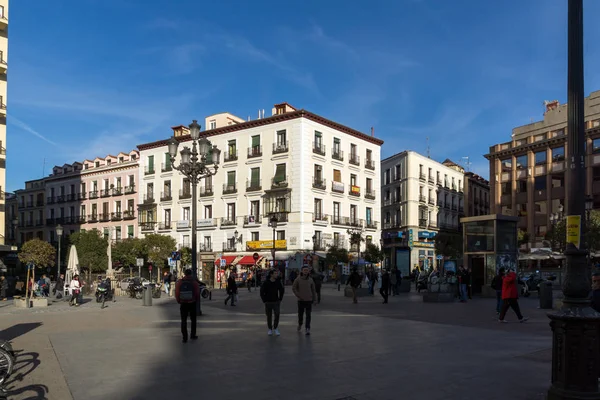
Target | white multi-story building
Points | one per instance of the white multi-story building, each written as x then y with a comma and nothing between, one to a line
3,92
317,176
420,197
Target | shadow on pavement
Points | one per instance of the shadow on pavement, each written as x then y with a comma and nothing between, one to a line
18,330
26,363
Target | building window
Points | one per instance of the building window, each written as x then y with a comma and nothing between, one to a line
186,213
596,146
352,180
254,236
521,161
558,154
208,211
167,216
369,216
231,211
539,183
318,209
540,157
506,165
521,186
281,138
397,172
280,235
387,176
213,124
558,180
336,212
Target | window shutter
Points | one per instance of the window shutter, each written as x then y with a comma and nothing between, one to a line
167,160
337,175
280,173
231,178
255,141
255,176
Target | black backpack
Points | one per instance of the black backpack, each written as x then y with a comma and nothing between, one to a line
496,283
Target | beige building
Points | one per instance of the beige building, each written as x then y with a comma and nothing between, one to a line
30,213
3,80
527,173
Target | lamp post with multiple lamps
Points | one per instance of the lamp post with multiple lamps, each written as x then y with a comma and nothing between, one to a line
194,165
237,239
575,349
273,221
59,233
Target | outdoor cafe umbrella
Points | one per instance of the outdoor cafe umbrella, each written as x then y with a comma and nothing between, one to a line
73,263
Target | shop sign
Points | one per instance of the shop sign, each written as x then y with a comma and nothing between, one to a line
265,244
203,223
183,224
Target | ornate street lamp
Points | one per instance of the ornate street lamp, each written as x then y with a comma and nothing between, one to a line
59,233
575,350
273,222
194,165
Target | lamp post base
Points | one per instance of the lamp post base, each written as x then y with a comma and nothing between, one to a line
575,354
199,307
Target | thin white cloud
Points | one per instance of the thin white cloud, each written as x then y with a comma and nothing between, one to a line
23,126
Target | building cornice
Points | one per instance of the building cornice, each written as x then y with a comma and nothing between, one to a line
268,121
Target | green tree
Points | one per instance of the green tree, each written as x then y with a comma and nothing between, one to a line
373,253
38,253
91,250
522,237
356,238
159,248
449,244
186,256
557,236
336,255
128,251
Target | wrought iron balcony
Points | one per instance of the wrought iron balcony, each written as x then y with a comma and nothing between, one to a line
337,154
230,156
422,176
166,167
431,179
370,194
166,196
278,183
105,193
149,170
228,221
104,217
422,198
149,198
229,188
281,216
93,194
431,201
252,219
130,214
354,159
147,225
205,247
185,193
370,164
320,217
254,151
253,185
229,246
371,224
130,189
117,191
116,216
319,148
164,226
423,222
319,183
71,197
81,195
93,218
61,199
206,191
279,148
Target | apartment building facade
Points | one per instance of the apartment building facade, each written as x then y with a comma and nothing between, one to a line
316,176
420,197
3,100
528,174
477,195
99,193
30,213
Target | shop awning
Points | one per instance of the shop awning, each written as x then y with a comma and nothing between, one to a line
246,260
228,260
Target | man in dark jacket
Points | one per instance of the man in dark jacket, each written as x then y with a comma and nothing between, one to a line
497,286
231,289
317,278
385,286
354,281
187,293
59,288
596,291
271,293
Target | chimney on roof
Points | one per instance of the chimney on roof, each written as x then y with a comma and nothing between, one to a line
263,112
372,131
259,113
550,105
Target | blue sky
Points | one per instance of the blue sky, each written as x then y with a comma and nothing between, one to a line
92,77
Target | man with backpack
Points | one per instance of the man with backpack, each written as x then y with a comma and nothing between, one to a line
497,286
187,293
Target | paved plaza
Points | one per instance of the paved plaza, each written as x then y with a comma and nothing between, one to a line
405,349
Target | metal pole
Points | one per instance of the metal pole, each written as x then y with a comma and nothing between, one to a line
194,244
273,223
575,350
58,263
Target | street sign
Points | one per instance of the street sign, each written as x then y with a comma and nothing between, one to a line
140,262
223,262
439,257
255,256
176,256
172,262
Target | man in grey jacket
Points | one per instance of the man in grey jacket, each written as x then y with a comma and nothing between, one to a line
304,290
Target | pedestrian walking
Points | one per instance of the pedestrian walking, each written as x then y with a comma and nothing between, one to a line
187,294
317,278
166,282
394,282
497,286
304,289
463,278
75,288
510,295
354,281
59,288
271,293
231,290
385,286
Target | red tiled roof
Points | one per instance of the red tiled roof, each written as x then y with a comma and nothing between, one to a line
246,260
228,260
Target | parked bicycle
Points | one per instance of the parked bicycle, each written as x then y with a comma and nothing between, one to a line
7,362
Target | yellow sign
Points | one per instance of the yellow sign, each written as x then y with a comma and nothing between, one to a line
265,244
574,230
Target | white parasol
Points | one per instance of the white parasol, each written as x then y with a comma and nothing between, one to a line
72,264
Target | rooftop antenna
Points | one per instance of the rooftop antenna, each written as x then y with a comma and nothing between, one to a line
467,163
428,150
44,168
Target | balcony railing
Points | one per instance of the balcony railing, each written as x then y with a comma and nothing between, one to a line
39,203
230,156
130,189
253,185
229,246
61,198
454,207
461,208
81,195
166,196
93,218
337,154
93,194
205,247
164,226
117,191
422,199
105,193
166,167
278,183
431,179
371,224
71,197
320,217
346,221
104,217
116,216
252,220
431,201
281,217
206,191
319,148
229,188
149,170
423,222
370,194
354,159
354,191
447,206
370,164
319,245
149,198
279,148
422,176
185,194
254,151
319,183
147,226
130,214
337,187
228,221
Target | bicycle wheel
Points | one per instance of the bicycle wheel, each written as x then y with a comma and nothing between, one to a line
6,365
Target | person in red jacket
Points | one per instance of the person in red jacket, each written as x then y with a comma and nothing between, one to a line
187,293
510,296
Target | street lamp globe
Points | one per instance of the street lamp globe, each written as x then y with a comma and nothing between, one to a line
274,221
560,208
186,155
173,144
203,146
59,230
194,130
215,155
589,203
